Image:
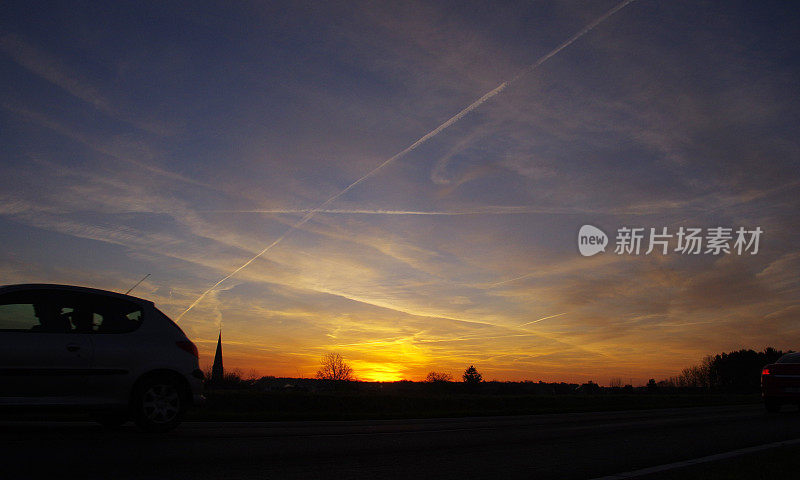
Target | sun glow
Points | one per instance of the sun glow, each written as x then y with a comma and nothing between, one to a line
378,372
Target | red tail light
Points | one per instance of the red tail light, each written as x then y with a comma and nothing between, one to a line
189,347
765,371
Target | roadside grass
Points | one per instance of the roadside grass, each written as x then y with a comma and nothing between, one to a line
236,405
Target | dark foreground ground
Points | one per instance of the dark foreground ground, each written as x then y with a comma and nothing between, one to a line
558,446
781,462
247,405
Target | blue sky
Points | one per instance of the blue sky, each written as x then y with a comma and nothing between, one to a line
181,139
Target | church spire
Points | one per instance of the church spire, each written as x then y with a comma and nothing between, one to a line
217,372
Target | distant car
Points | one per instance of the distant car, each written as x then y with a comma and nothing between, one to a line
115,355
780,382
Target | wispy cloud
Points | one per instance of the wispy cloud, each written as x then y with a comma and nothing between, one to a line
132,152
58,73
422,140
54,71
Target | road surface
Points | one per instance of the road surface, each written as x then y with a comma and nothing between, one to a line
558,446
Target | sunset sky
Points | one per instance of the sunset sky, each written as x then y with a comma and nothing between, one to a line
181,139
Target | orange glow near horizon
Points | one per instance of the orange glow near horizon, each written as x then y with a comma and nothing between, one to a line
377,372
392,371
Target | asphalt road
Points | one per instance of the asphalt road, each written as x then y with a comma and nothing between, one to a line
560,446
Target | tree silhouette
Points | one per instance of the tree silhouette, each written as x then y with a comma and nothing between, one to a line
589,387
471,376
434,377
334,368
740,371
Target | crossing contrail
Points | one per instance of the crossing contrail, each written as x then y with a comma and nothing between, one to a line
491,210
436,131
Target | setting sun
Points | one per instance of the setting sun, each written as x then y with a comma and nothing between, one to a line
377,372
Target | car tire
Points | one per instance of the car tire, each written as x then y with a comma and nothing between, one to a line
159,404
772,405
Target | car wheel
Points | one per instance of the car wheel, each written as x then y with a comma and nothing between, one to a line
159,404
772,405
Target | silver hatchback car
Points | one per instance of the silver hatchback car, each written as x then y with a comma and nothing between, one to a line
115,355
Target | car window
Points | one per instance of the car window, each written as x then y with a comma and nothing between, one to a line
26,311
46,311
116,316
18,316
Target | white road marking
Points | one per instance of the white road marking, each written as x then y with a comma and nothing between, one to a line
697,461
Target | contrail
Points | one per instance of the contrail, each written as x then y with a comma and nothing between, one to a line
543,318
496,210
436,131
568,42
503,282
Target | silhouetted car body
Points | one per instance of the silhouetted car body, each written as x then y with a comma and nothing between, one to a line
117,355
780,382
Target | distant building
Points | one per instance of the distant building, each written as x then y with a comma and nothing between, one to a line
217,372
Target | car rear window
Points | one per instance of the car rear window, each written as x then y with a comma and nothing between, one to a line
53,311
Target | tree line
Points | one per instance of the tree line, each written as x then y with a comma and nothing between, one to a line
730,372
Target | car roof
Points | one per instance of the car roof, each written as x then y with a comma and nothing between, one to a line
70,288
793,357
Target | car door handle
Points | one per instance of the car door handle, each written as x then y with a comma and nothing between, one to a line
73,348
